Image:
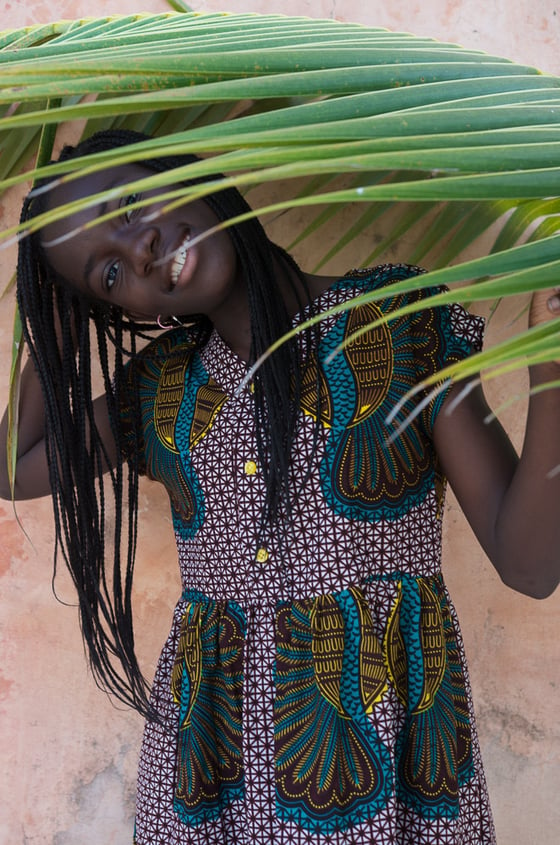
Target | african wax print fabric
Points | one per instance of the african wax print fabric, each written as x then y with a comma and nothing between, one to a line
313,688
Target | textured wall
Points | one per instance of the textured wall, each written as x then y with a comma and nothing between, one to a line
68,755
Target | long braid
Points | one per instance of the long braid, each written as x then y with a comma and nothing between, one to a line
75,451
76,454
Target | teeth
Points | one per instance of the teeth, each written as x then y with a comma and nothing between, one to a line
179,260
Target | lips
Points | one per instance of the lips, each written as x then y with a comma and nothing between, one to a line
179,258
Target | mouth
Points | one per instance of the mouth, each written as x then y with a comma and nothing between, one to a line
179,258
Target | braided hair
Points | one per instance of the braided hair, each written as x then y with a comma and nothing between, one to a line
60,325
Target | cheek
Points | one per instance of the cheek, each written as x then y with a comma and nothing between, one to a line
137,301
223,255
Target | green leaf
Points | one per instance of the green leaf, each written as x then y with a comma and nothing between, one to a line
371,127
13,401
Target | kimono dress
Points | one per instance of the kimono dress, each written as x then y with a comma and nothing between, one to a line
313,688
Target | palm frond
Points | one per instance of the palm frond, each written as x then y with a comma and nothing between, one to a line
333,115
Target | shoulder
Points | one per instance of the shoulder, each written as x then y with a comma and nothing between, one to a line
375,289
394,286
164,360
387,288
380,277
176,346
415,294
157,369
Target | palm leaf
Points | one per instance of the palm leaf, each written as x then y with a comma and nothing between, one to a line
337,115
44,152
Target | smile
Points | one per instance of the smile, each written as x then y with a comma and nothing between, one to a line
179,259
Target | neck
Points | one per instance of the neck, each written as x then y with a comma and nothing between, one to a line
233,321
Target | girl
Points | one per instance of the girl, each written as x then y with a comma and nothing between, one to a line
313,687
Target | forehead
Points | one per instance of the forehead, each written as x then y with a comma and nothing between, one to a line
89,184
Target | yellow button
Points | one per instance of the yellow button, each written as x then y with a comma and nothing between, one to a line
262,556
250,468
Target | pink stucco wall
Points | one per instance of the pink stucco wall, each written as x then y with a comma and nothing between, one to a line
68,755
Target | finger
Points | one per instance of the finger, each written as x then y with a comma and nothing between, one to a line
553,302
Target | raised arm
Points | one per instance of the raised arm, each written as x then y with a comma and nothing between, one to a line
32,475
511,502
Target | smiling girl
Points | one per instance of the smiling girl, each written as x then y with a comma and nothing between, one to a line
313,688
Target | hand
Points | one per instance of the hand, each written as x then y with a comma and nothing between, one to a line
545,305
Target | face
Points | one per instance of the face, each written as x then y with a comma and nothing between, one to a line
142,260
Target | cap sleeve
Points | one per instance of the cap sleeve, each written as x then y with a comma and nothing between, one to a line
419,344
138,394
441,336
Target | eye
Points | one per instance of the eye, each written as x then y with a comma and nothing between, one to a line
111,275
130,213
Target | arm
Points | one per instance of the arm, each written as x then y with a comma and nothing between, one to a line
32,474
512,504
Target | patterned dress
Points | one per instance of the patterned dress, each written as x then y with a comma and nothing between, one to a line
313,688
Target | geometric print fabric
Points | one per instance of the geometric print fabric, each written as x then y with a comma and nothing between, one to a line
309,678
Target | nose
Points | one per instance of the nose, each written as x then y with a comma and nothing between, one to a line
142,245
